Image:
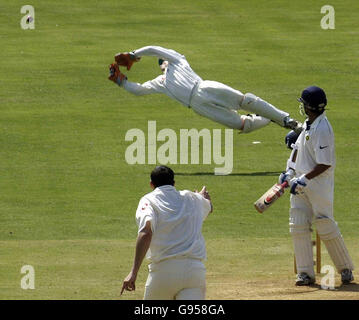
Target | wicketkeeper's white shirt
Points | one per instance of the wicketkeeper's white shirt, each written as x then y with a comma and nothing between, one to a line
176,221
316,146
178,83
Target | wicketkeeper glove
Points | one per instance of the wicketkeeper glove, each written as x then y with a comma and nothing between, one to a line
115,74
126,59
298,184
286,176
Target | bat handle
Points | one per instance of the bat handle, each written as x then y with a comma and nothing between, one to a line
285,184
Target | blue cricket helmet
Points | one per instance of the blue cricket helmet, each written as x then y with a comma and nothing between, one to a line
314,98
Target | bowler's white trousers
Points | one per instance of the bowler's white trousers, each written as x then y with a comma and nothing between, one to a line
176,279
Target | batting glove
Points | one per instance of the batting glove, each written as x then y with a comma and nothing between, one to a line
286,176
298,184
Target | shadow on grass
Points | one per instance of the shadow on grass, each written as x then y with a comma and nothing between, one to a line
244,174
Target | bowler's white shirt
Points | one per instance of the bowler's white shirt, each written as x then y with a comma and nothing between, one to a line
178,82
176,221
316,146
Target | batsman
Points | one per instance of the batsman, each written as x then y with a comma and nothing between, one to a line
210,99
310,174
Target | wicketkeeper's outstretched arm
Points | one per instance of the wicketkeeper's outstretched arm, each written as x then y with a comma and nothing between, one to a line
127,59
159,52
137,89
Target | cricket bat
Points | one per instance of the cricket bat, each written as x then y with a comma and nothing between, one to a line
269,197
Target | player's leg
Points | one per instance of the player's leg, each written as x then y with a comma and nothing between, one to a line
194,281
191,294
321,197
227,117
222,95
300,230
253,122
254,104
333,240
163,280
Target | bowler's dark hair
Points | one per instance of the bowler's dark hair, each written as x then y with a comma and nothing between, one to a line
162,175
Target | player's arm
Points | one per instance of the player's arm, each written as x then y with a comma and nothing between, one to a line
289,173
296,184
142,244
204,193
323,149
127,59
206,202
292,160
152,86
318,170
159,52
139,89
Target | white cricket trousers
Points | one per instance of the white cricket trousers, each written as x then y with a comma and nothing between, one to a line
315,206
176,279
219,102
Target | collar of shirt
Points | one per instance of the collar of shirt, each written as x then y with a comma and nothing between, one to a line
166,187
315,122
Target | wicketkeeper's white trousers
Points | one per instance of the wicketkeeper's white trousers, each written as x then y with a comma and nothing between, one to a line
219,102
176,279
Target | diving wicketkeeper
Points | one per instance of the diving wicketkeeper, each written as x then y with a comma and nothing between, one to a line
210,99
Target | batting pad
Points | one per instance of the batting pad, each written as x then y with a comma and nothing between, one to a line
258,106
302,241
329,233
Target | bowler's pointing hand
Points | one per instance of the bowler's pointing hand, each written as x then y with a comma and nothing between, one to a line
205,193
129,283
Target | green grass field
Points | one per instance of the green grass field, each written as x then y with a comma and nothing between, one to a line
67,195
